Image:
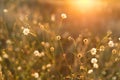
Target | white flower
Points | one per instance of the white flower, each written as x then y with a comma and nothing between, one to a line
114,78
70,38
86,41
9,41
48,65
94,60
63,16
35,75
26,31
93,51
36,53
5,10
58,37
5,56
95,65
90,71
119,38
19,68
102,48
111,44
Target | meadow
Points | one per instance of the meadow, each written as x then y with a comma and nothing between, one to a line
54,40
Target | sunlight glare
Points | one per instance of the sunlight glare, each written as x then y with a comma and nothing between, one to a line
86,5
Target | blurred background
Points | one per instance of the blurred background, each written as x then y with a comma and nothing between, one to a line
64,32
99,17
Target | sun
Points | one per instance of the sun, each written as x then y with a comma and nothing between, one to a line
86,5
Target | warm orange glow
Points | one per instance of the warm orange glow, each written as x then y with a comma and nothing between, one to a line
86,5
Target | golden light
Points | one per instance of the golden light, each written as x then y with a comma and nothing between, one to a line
86,5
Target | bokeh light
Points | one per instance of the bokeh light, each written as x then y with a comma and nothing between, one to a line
59,40
86,6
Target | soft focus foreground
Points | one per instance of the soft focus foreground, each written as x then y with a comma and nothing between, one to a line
59,40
